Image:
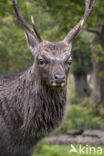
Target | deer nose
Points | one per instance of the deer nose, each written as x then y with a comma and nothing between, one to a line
60,77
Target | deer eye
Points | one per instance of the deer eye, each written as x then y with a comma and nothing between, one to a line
41,61
69,61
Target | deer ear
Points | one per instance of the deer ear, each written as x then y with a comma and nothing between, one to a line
32,42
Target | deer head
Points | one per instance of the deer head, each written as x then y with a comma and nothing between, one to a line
53,60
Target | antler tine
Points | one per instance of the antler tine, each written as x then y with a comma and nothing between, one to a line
32,28
77,28
35,29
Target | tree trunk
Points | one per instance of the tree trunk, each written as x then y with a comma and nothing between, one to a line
98,70
81,85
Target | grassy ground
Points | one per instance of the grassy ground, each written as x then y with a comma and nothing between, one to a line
56,150
79,117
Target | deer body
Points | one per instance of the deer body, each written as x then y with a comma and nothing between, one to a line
30,110
28,113
32,103
41,115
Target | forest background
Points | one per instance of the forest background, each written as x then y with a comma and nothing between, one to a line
54,18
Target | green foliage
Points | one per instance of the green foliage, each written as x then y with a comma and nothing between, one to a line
81,54
68,12
14,53
59,150
79,117
99,55
5,8
50,150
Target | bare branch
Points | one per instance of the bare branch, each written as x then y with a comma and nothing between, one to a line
93,31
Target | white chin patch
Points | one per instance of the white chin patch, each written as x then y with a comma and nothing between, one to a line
54,84
62,84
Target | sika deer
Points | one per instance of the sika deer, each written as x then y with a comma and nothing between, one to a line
32,103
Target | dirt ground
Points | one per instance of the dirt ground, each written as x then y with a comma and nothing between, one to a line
84,137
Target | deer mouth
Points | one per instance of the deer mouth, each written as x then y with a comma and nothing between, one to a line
57,84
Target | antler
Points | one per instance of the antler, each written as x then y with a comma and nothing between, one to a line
32,28
76,29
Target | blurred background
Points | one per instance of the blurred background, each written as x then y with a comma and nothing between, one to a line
54,18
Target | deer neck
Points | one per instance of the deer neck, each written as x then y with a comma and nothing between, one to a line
41,101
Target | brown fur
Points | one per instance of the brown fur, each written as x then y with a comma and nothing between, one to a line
30,107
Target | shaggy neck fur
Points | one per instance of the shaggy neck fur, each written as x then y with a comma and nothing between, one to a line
29,109
45,108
